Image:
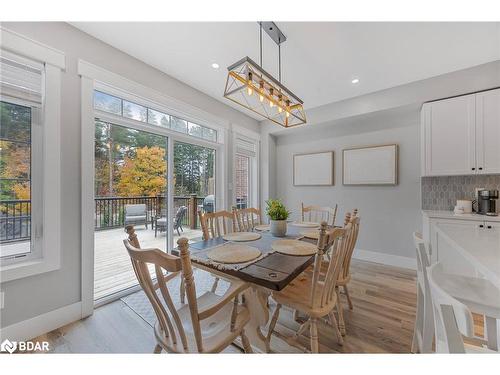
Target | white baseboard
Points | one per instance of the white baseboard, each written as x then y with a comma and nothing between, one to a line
41,324
387,259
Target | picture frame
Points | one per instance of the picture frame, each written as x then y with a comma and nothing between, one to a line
370,165
314,169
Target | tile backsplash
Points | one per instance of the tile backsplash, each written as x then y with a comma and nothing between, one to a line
441,193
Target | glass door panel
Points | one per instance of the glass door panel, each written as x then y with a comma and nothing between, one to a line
130,188
194,188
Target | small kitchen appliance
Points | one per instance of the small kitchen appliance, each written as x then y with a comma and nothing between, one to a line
486,202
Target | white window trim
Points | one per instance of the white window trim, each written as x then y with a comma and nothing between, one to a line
54,61
96,78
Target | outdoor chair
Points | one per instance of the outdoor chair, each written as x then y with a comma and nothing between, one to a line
136,214
161,221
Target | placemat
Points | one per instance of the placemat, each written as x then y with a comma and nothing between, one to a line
294,247
242,236
312,234
305,224
231,253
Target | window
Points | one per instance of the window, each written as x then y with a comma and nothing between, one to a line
21,83
107,103
245,172
242,177
135,111
121,107
158,118
30,158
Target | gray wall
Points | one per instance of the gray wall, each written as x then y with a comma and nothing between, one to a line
389,214
32,296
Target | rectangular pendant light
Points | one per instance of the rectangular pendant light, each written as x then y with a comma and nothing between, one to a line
253,88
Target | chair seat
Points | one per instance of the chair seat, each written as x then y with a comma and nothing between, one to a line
161,221
215,330
135,217
480,295
297,295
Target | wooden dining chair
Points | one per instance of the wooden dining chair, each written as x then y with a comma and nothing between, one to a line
345,272
313,292
216,224
452,318
247,218
318,214
423,332
206,324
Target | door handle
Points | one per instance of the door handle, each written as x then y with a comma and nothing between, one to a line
489,226
481,226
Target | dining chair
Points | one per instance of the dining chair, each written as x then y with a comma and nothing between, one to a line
318,214
423,332
345,272
206,324
216,224
452,318
247,218
313,292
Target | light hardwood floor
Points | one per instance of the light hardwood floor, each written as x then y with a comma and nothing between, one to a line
381,322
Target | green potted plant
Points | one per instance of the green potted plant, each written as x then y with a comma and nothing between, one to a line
278,214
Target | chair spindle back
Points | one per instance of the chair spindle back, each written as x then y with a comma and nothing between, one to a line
248,218
216,224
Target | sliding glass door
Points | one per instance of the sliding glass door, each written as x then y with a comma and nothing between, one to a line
130,188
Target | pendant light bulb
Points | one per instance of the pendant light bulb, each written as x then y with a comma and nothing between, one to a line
249,84
261,97
280,109
261,89
287,114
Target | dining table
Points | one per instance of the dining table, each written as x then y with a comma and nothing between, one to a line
272,271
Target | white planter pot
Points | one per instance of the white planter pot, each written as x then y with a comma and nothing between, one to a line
277,228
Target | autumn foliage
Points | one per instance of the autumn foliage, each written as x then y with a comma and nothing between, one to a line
144,174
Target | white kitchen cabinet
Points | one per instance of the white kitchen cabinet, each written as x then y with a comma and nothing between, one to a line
448,136
461,135
488,132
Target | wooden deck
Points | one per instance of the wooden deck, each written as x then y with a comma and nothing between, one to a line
112,268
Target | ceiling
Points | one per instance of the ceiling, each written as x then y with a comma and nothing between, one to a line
319,59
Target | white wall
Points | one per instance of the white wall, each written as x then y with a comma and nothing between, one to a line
33,296
389,214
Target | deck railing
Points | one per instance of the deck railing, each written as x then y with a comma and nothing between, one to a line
15,220
109,212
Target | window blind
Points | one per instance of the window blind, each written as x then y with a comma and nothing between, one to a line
20,78
245,147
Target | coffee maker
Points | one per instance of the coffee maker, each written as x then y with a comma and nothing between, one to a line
486,202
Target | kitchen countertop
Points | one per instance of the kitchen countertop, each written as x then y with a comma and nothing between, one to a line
452,215
481,247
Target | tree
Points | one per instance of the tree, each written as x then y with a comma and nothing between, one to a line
144,174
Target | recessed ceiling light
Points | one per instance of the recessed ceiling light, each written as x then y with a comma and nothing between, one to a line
215,66
355,80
